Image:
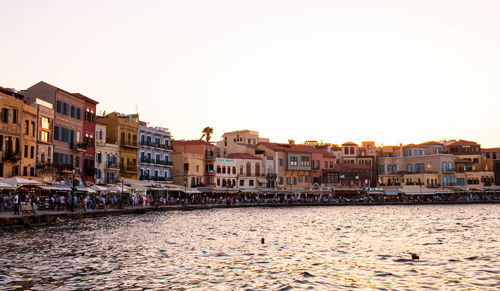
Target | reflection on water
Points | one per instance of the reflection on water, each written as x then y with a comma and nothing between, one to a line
309,247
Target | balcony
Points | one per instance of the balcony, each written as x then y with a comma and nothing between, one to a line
210,173
80,147
156,145
12,156
146,160
129,144
129,169
209,157
112,166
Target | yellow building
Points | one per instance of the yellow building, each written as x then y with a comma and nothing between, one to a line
28,141
188,169
11,107
122,129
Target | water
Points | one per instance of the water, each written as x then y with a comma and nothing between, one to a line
305,248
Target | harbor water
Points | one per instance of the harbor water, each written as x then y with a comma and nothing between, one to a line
321,247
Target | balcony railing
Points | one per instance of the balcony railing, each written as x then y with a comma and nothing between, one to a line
78,146
156,145
210,172
129,143
112,166
129,169
12,156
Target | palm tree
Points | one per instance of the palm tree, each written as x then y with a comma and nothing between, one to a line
207,133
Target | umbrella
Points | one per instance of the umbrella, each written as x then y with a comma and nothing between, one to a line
118,188
98,188
6,186
16,181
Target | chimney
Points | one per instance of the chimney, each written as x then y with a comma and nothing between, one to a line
291,141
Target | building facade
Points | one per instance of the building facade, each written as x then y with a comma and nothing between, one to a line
89,129
123,129
155,153
106,157
68,127
44,150
10,132
423,164
203,149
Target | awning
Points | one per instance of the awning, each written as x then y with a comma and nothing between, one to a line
7,186
56,188
249,191
17,181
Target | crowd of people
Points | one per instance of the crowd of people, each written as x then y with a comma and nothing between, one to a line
64,201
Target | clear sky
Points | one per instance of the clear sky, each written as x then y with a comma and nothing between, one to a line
388,71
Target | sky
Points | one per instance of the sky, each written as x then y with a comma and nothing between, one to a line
333,71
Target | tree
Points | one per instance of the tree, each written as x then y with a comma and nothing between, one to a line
207,133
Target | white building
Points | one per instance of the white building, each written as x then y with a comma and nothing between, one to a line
106,157
154,154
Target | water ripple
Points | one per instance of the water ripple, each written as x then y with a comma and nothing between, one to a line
323,248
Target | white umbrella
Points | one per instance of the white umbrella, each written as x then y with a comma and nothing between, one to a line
16,181
118,188
98,188
6,186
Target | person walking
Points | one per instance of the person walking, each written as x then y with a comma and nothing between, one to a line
15,202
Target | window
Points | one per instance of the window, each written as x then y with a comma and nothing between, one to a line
242,182
326,164
294,180
306,179
281,162
408,168
250,182
33,128
98,158
27,127
280,180
32,152
288,181
294,161
331,164
5,115
14,116
305,161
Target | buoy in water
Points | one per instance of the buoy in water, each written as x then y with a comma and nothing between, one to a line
414,256
262,240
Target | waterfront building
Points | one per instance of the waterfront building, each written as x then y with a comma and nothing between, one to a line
123,129
292,163
238,141
106,157
11,104
188,169
475,167
204,174
491,156
154,153
44,149
68,126
249,171
226,175
28,141
351,153
89,128
353,175
322,167
424,164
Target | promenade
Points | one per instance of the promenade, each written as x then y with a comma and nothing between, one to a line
10,221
